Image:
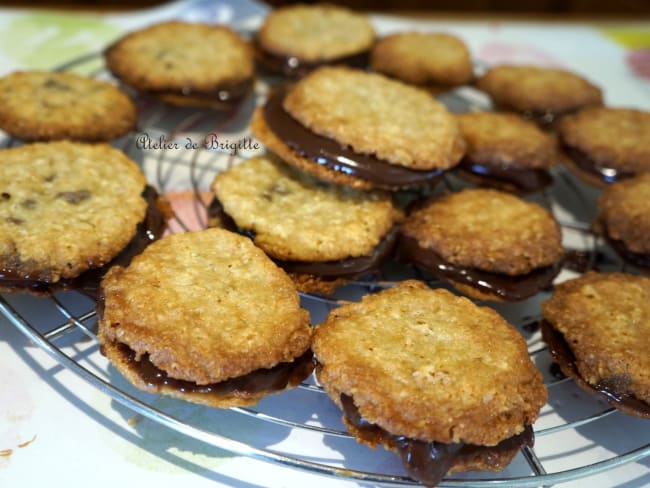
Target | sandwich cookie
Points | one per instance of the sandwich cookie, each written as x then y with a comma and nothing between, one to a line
205,316
360,129
185,64
488,244
447,385
597,327
321,234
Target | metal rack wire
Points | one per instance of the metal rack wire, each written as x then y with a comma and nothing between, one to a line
71,321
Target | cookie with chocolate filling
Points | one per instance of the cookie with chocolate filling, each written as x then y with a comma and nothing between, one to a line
67,212
297,39
607,144
360,129
447,385
321,234
597,327
542,94
207,317
185,64
505,151
624,219
488,244
435,61
47,106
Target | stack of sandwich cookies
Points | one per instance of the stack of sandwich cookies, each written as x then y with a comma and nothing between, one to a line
597,327
65,216
207,317
360,129
297,39
607,144
624,219
488,244
434,61
507,152
321,234
185,64
541,94
446,384
47,106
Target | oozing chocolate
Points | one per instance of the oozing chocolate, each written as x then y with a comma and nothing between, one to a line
151,228
607,174
525,180
332,155
269,380
511,288
428,462
613,391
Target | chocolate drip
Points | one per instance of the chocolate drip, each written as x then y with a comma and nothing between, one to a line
525,180
428,462
511,288
263,380
585,163
332,155
147,231
613,391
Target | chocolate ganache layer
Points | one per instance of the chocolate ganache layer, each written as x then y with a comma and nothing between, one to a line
510,288
332,155
613,391
526,180
428,462
150,229
607,174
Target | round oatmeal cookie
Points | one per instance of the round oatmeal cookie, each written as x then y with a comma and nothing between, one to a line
204,307
315,33
47,106
433,60
604,321
428,365
543,93
185,63
63,210
607,144
375,115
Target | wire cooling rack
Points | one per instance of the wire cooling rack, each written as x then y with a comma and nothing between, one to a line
577,434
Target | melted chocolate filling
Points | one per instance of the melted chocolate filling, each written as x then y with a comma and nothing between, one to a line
525,180
147,231
614,391
637,259
228,95
511,288
343,268
588,165
332,155
428,462
263,380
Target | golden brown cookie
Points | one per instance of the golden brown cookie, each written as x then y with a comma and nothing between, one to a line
607,144
186,64
598,330
489,244
294,40
47,106
420,369
507,152
63,212
432,60
308,227
624,218
207,317
543,94
360,129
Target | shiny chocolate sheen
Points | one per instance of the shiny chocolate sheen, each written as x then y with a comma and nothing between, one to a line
614,391
228,94
523,179
149,230
588,165
263,380
332,155
428,462
511,288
